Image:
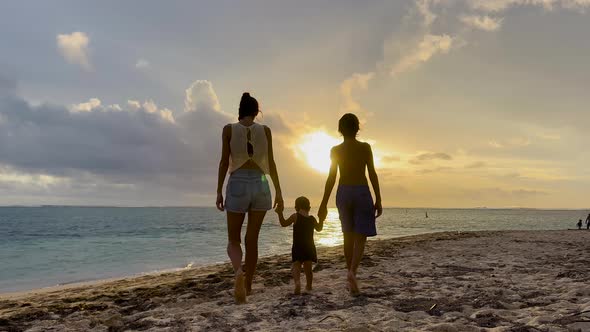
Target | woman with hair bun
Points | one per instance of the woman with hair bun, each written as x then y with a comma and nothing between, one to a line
247,154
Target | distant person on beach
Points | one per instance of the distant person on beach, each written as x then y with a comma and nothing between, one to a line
588,222
580,224
353,198
303,250
248,155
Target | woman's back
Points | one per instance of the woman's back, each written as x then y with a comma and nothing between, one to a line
352,157
248,147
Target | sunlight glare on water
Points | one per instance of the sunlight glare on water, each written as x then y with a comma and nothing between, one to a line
331,235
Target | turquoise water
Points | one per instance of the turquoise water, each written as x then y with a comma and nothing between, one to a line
47,246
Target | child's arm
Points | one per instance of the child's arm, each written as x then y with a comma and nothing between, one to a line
318,225
330,182
375,181
286,222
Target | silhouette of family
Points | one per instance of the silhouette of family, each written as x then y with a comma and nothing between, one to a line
247,155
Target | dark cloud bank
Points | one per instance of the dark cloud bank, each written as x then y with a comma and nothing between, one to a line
112,153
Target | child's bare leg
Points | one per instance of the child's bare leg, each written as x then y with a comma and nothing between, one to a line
358,251
348,247
308,275
297,277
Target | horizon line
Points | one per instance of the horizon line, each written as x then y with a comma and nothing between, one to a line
331,207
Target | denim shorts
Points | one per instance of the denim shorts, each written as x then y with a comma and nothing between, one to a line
356,209
247,190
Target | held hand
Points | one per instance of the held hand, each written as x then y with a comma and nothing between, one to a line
219,202
378,209
322,213
279,205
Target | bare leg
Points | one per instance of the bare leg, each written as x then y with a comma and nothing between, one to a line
234,251
308,275
255,219
297,277
348,247
359,249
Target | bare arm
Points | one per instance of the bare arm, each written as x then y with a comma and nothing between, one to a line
223,165
318,225
286,222
274,175
375,181
330,182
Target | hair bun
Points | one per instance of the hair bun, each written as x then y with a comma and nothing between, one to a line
246,94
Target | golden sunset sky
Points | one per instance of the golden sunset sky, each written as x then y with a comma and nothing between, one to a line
467,103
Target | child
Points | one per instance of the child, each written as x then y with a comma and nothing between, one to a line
303,250
355,204
580,224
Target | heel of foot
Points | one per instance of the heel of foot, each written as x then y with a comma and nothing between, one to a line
353,285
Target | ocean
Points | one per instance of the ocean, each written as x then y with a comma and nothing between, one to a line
48,246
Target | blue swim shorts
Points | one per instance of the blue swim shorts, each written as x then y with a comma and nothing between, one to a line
247,190
356,209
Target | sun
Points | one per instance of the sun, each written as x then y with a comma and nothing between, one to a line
314,148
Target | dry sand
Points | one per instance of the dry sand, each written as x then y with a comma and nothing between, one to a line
485,281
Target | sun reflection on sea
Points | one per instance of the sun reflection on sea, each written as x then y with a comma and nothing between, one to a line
331,235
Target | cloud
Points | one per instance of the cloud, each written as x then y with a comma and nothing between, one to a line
7,86
74,48
357,81
200,94
149,151
390,159
428,156
142,63
485,23
495,144
477,164
423,7
87,106
425,49
516,142
501,5
440,169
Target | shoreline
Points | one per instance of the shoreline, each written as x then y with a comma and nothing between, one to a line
204,266
450,281
91,282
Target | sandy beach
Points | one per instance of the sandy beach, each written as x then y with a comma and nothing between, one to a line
483,281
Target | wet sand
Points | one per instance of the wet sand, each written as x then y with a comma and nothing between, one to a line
483,281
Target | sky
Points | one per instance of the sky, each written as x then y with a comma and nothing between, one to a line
467,103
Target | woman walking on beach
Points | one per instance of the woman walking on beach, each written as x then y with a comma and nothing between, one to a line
248,155
353,199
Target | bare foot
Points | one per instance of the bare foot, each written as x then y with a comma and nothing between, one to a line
297,290
239,288
308,288
353,284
